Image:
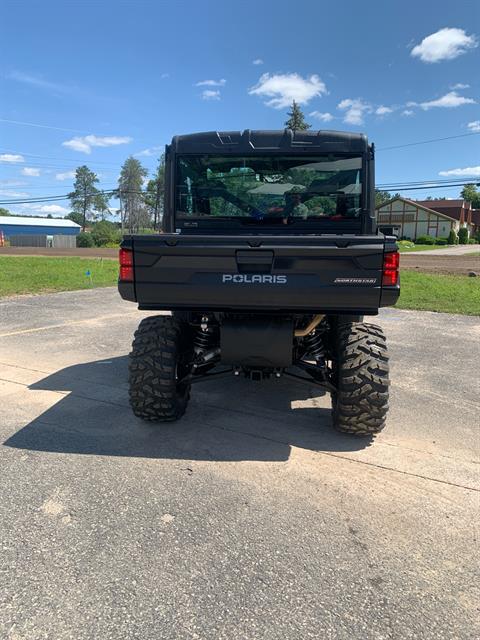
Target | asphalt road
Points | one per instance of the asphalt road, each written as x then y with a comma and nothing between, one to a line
249,519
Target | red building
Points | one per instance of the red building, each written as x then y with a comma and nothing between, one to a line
460,210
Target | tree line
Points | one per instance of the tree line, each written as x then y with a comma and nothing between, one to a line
141,205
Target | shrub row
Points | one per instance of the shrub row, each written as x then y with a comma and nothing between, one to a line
103,234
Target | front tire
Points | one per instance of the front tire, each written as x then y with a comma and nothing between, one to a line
157,362
361,375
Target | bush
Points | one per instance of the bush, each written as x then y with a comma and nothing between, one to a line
472,241
85,239
425,240
112,245
105,232
441,241
452,237
463,235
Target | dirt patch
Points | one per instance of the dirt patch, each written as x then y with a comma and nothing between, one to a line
90,252
451,265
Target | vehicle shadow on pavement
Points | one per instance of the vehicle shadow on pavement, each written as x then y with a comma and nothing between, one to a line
227,420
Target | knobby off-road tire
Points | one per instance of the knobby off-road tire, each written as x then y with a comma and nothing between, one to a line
360,373
156,362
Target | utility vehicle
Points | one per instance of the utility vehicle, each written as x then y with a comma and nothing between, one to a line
268,260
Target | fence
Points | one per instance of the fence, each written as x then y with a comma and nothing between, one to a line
38,240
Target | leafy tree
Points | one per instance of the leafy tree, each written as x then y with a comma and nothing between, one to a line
381,197
85,239
132,199
463,235
75,217
4,212
296,119
105,232
155,193
86,199
471,194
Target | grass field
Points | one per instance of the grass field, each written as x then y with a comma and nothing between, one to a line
450,294
403,248
40,275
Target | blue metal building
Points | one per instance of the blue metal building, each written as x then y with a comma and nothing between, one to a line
20,225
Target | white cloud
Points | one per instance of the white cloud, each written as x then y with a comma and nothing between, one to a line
323,117
65,176
474,126
13,194
257,61
460,85
30,171
11,157
84,144
32,209
211,83
54,208
407,112
151,151
383,111
449,100
13,183
208,94
445,44
283,89
466,172
355,110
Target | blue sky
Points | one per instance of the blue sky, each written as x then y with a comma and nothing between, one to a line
103,80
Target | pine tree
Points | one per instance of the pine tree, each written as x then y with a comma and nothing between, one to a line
130,193
155,193
296,119
86,199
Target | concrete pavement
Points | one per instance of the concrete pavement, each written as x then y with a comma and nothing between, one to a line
251,518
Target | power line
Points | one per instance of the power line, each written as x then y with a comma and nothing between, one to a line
425,183
33,155
427,187
59,198
414,144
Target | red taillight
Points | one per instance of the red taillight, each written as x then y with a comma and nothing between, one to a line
391,266
125,257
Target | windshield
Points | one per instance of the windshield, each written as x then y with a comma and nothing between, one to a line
280,189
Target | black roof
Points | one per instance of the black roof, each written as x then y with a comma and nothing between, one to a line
251,141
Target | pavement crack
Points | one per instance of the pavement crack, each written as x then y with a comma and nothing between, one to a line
352,460
66,324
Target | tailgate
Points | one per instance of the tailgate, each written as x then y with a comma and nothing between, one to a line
291,273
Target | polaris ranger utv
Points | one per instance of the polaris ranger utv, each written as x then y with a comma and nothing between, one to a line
269,259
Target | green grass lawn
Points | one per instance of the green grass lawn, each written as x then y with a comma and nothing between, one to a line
449,294
20,274
421,247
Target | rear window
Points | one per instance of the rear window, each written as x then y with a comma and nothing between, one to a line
269,189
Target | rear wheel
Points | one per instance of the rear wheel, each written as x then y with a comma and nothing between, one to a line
158,361
361,375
